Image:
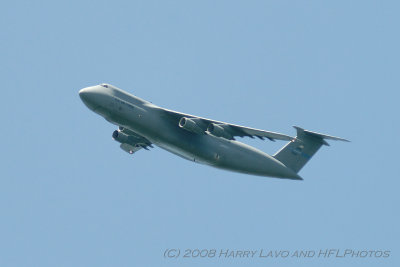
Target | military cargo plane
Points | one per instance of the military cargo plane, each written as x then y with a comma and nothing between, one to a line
142,124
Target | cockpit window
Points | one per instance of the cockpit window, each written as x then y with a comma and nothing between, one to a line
104,85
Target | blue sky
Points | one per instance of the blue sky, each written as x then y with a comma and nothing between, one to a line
70,197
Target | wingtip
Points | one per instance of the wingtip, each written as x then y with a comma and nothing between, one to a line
298,177
295,178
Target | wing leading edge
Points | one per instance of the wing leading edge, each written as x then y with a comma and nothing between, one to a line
231,130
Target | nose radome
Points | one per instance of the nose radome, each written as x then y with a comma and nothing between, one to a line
87,93
83,93
88,96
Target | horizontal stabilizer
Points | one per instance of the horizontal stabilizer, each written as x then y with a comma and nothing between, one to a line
301,131
299,151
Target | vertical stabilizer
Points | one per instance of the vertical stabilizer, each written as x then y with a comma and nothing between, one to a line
299,151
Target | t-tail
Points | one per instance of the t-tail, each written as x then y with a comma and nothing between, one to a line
299,151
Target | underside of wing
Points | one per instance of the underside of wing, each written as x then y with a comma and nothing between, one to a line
221,129
246,131
129,148
130,141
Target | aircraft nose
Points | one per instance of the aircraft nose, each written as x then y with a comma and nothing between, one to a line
87,96
84,94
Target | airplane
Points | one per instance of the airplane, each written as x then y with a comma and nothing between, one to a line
142,124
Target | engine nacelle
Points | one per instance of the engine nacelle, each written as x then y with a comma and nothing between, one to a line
120,137
219,131
190,125
124,138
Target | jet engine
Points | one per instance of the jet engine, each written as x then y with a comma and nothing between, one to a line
218,131
124,138
190,125
120,137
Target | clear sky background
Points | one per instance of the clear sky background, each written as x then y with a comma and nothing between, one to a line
69,196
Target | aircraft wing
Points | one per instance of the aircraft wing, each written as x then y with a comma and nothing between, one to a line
232,130
131,141
129,148
140,139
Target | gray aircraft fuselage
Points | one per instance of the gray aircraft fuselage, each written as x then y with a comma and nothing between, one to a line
150,121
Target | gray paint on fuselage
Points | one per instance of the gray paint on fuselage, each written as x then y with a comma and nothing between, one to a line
150,121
